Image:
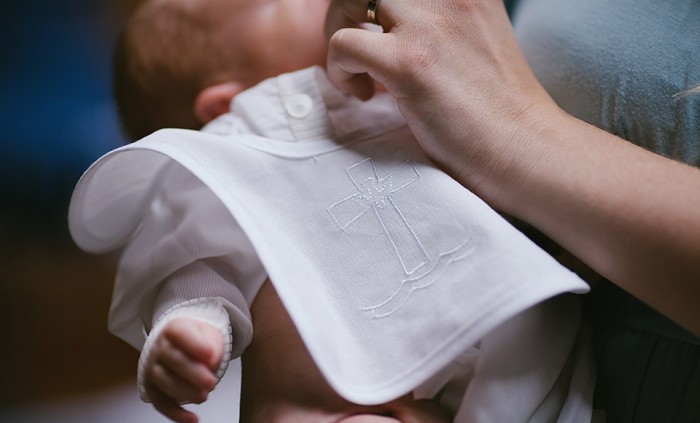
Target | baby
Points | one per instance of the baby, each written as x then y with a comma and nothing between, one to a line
431,347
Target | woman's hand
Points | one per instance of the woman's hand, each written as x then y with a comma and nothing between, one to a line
459,77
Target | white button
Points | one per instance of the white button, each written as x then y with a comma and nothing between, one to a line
299,105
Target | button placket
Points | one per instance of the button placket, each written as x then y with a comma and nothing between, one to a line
298,106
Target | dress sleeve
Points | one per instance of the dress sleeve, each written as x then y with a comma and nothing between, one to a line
188,247
199,281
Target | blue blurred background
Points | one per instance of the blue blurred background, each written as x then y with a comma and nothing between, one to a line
56,117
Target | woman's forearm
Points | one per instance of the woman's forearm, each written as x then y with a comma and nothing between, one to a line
631,215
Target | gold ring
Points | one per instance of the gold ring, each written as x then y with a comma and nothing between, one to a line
372,11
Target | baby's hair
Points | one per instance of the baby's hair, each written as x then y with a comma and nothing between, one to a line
167,52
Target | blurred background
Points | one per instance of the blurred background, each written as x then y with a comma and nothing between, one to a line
58,363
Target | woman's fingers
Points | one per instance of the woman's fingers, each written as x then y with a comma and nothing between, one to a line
387,13
356,56
353,56
414,34
344,14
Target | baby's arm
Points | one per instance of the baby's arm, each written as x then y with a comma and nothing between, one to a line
188,248
184,357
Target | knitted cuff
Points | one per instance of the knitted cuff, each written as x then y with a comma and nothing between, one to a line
207,310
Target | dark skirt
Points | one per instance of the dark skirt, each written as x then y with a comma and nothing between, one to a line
648,366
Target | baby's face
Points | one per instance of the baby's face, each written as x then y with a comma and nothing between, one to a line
279,35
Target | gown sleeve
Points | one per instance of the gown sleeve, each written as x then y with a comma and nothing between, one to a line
188,247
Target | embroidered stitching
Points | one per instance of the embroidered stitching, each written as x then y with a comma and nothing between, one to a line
375,194
413,283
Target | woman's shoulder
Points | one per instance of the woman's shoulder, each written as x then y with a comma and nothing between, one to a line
620,66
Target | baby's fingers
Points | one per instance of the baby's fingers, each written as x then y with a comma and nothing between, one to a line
193,372
169,408
198,340
175,387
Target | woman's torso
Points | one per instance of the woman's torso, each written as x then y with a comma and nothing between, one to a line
621,65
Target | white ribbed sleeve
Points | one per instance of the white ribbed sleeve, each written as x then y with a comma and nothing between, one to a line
202,279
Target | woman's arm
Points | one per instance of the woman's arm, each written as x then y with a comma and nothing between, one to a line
631,215
473,103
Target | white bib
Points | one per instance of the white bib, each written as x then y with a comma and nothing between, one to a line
388,267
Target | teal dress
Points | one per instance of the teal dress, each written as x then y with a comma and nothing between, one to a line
620,65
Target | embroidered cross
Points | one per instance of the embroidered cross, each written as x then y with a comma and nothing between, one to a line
374,195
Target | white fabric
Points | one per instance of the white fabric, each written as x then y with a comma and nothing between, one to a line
207,310
504,386
389,268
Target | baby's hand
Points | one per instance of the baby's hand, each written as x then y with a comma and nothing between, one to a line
181,367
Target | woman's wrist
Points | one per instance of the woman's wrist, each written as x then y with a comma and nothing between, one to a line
510,152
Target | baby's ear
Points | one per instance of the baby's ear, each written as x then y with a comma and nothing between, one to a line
215,100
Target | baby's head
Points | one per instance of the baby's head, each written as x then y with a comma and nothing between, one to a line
178,63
